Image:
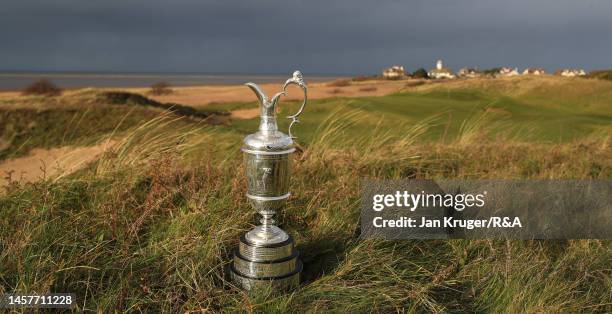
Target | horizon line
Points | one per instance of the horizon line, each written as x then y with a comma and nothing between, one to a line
155,73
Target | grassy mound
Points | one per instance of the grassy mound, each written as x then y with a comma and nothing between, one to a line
80,119
27,128
125,98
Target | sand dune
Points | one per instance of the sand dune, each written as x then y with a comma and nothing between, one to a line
48,163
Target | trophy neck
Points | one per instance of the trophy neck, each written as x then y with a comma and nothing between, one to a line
267,122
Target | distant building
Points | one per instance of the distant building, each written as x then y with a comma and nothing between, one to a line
394,72
571,72
440,72
508,72
469,73
534,71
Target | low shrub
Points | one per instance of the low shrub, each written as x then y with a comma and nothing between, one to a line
420,73
491,72
161,88
42,87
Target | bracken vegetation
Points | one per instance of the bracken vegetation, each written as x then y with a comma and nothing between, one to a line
151,225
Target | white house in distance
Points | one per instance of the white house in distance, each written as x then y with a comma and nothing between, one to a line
394,72
572,72
440,72
534,71
508,72
469,73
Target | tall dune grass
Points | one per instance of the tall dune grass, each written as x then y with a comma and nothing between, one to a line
151,226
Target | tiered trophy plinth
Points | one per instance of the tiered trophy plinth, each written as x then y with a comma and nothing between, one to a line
260,266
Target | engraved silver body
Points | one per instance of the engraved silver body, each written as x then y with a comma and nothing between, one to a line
266,254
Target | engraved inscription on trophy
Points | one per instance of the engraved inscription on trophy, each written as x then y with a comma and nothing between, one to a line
267,175
264,178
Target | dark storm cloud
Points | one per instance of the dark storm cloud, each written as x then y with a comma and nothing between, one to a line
346,37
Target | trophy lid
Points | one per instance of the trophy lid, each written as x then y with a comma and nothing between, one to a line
269,139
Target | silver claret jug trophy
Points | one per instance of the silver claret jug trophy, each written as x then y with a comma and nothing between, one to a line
266,255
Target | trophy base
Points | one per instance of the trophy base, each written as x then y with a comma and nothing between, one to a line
274,266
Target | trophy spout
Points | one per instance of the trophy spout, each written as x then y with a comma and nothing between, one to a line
261,96
267,107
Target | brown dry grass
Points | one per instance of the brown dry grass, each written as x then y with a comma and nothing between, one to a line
154,232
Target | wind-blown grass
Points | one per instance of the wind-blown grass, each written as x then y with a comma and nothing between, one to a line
151,226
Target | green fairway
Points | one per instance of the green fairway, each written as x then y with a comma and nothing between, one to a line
541,115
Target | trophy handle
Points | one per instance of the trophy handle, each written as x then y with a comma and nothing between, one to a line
298,80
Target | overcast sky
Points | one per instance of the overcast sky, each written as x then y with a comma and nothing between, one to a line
317,36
